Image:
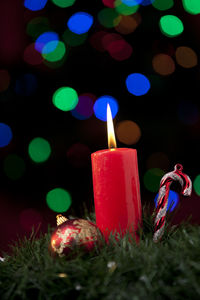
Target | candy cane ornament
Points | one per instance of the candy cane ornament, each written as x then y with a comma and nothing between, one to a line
162,201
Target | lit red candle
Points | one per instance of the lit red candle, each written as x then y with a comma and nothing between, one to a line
116,187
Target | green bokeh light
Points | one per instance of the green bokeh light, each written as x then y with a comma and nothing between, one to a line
124,9
55,55
196,185
14,166
171,25
37,26
39,150
73,39
152,179
58,200
55,64
63,3
108,17
163,4
65,98
192,6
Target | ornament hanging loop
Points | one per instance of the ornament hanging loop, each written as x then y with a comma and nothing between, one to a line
178,167
187,183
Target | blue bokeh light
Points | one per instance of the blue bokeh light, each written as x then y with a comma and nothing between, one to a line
35,5
76,115
80,22
100,107
173,200
26,85
5,135
131,2
147,2
137,84
43,41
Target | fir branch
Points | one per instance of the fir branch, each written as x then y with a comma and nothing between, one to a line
118,270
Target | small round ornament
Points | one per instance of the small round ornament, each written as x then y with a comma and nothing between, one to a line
71,234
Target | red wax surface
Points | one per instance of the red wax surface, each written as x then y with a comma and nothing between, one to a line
116,190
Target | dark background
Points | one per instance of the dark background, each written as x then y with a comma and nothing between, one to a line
168,115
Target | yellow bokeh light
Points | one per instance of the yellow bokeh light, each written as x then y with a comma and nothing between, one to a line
186,57
163,64
128,24
128,132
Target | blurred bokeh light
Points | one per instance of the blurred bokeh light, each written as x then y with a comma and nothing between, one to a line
54,51
163,5
163,64
196,185
125,9
137,84
173,200
39,150
84,108
100,107
128,24
108,17
152,179
32,56
109,3
128,132
73,39
171,25
120,50
5,134
65,98
45,39
147,2
132,2
80,22
14,166
37,26
58,200
96,40
186,57
35,5
63,3
192,6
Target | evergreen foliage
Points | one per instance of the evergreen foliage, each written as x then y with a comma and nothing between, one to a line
120,270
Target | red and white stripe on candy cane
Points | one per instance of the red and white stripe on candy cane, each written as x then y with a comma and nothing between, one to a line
162,201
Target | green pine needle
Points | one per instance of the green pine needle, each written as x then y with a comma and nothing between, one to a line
119,270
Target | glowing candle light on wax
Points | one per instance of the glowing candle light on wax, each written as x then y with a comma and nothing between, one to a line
116,187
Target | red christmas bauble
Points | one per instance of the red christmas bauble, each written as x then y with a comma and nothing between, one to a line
73,233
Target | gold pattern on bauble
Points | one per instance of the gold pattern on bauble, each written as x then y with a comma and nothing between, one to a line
73,233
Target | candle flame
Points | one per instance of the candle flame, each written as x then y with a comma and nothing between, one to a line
110,129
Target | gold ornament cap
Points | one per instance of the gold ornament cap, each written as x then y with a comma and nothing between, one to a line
60,219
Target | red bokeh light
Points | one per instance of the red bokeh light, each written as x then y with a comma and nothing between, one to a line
120,50
109,3
31,56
